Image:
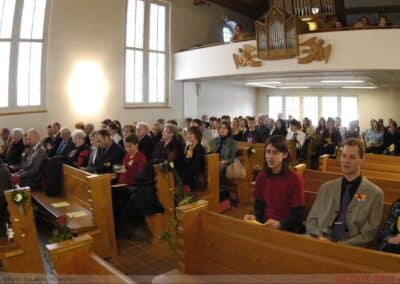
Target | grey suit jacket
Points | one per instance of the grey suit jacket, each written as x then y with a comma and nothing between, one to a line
31,167
363,217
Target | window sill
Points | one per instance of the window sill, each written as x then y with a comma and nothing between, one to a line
19,111
147,106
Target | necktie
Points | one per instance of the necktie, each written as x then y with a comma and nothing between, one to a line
61,148
340,226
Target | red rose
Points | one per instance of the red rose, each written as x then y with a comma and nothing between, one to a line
62,220
186,189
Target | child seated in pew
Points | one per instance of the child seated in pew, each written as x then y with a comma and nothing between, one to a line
279,194
389,237
348,209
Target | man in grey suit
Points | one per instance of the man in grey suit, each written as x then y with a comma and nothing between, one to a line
31,173
347,210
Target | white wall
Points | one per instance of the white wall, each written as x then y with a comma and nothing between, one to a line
220,98
94,30
379,103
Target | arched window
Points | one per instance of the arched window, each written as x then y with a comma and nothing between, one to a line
22,54
147,53
228,30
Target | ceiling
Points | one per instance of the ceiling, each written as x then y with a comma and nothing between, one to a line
380,79
256,8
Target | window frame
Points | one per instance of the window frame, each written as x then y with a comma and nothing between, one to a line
319,96
146,58
15,41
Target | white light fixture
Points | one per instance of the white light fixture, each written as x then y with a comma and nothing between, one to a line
342,81
358,87
315,10
259,84
295,87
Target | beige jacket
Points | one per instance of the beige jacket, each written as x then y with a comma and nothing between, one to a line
363,215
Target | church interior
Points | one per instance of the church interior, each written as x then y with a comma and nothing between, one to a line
199,141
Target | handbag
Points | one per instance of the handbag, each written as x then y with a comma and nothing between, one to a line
235,171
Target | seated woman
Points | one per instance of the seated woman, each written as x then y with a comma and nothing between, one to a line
225,146
353,131
308,128
115,134
156,133
79,155
14,153
134,162
280,128
170,148
391,140
236,131
330,139
194,162
389,237
128,130
279,194
374,138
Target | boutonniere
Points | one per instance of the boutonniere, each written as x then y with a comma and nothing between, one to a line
107,164
360,197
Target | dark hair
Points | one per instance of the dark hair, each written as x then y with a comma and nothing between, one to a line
296,123
251,118
198,122
226,124
113,126
188,119
132,139
80,125
106,121
103,133
280,143
283,126
355,142
196,132
213,118
172,121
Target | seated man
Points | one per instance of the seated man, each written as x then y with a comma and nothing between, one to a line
108,154
348,209
389,237
145,144
31,168
66,144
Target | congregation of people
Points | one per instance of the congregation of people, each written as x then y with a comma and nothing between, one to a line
130,151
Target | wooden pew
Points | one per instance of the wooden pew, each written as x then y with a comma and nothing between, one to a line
165,183
76,257
369,169
210,243
259,156
314,179
244,187
89,194
22,255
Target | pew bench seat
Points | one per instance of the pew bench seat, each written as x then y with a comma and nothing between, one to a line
76,225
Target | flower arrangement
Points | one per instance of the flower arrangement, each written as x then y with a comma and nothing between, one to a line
19,196
360,197
60,232
251,151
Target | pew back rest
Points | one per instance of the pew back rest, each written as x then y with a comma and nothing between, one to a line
218,244
369,169
25,249
76,257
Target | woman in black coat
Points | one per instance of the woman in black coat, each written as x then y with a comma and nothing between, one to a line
194,160
13,156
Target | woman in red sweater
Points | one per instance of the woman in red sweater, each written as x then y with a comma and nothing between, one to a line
279,194
134,162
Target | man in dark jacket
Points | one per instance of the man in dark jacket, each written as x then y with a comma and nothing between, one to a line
145,143
109,153
5,184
